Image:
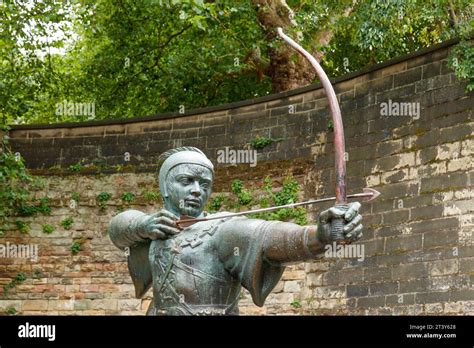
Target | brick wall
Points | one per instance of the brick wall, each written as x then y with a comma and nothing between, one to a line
419,252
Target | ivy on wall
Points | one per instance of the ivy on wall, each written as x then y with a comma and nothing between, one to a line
246,198
13,180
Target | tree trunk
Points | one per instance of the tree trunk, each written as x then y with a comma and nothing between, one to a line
287,69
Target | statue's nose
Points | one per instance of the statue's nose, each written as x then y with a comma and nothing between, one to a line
196,189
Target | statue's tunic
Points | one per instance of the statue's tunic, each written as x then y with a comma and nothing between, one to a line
200,271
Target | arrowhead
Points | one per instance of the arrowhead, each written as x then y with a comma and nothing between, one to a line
374,193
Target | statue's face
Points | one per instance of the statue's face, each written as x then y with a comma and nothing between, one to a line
189,187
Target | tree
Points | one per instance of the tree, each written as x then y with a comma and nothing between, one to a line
287,69
130,58
349,35
379,30
29,75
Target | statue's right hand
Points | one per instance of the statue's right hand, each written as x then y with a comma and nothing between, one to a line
160,225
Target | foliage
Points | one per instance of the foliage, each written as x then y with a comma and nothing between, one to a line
215,204
76,168
26,209
129,57
118,167
22,226
76,196
296,304
462,60
14,195
237,186
18,279
11,310
48,229
30,77
330,126
103,198
140,57
286,195
244,195
261,142
128,197
37,273
13,179
151,196
76,247
67,223
43,206
379,30
38,206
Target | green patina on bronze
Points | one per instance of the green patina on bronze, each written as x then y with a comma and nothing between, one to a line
200,269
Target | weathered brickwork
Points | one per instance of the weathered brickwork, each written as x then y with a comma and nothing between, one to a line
418,239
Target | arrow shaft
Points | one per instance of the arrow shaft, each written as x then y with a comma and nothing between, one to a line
367,193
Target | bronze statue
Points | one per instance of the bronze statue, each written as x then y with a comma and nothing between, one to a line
200,270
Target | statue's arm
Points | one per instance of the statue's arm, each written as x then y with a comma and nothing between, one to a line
286,242
126,231
125,228
255,252
278,242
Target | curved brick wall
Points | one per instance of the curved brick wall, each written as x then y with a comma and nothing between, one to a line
419,253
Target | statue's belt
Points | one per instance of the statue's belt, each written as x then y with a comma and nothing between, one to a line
189,309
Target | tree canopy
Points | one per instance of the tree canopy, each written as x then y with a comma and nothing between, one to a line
131,58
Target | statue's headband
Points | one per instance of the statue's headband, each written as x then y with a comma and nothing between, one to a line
182,157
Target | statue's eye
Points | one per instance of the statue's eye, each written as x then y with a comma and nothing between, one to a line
185,181
205,185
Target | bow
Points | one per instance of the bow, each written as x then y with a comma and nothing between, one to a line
339,143
339,148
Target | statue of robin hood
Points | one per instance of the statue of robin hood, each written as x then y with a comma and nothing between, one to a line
199,270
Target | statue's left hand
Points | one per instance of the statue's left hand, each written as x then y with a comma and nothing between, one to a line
352,223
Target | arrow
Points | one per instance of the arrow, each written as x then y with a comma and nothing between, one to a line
368,194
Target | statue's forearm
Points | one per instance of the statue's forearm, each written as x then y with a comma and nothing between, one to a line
287,243
124,228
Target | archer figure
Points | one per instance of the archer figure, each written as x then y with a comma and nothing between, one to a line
200,270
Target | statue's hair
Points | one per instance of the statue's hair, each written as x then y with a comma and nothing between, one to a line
168,153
